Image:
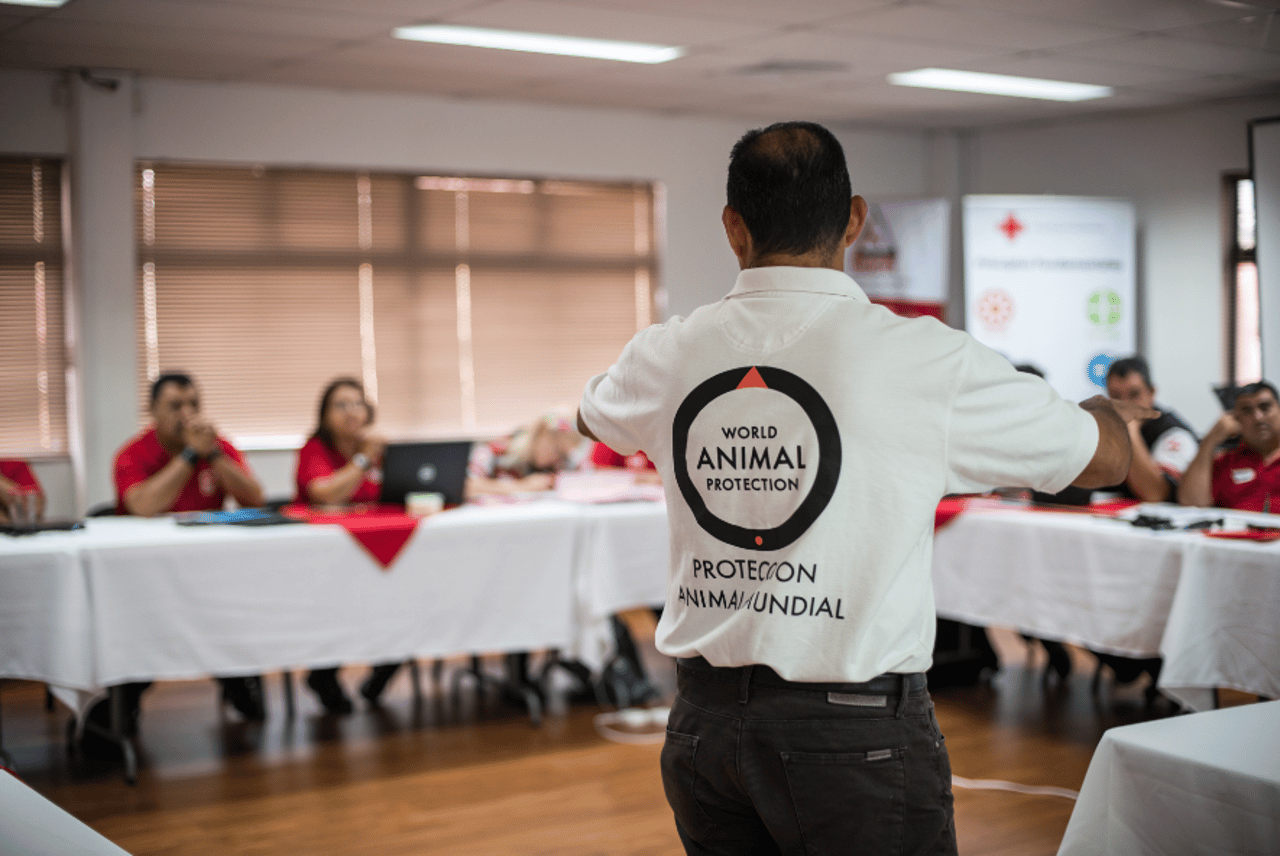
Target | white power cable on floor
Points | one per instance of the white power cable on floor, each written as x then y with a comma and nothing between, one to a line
998,785
635,725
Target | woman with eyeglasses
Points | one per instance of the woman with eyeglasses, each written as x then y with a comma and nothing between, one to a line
340,465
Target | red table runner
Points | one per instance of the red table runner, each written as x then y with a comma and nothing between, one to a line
952,506
382,530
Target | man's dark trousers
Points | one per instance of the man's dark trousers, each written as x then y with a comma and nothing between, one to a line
754,764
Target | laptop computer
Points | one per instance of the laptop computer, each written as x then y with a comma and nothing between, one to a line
439,467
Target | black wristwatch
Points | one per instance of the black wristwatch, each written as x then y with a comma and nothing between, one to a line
214,453
190,455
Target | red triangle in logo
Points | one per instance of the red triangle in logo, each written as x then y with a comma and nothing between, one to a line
752,379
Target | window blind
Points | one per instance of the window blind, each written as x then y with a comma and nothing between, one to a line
466,305
33,421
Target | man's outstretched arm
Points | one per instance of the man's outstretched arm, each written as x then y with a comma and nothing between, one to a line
1110,462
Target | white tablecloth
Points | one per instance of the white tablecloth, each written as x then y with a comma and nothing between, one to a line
1204,783
45,631
130,599
31,825
1208,606
623,564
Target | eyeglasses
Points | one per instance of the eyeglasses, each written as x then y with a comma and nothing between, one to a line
348,405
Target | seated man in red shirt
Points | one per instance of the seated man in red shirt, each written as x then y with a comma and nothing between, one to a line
1245,477
181,464
19,485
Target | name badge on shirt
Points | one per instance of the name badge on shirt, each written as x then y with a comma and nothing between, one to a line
1243,475
208,487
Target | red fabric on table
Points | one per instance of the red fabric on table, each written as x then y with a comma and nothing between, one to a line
382,530
949,509
1263,535
952,506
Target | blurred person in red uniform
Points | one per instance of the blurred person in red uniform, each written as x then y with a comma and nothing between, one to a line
1246,476
18,484
340,465
181,464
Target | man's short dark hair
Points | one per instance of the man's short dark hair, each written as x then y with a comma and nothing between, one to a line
1123,368
790,185
181,379
1254,388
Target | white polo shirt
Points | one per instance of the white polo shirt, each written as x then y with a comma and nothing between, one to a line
804,437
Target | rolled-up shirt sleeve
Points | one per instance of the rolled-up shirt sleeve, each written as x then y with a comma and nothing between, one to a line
1011,429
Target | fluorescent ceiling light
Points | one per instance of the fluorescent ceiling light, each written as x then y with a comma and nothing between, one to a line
999,84
509,40
53,4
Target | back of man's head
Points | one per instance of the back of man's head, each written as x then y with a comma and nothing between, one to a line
1123,368
790,185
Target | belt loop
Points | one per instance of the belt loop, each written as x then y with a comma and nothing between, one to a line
904,689
746,682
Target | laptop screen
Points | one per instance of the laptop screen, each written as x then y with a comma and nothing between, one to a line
425,468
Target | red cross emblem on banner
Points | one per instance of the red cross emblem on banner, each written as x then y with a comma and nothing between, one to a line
1011,227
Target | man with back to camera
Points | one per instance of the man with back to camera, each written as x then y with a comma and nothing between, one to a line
805,437
1163,447
181,464
1246,477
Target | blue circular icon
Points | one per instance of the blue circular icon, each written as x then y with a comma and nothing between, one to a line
1098,369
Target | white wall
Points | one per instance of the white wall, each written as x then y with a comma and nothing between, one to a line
169,119
1170,165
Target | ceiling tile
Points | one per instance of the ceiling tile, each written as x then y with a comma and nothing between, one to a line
978,27
201,17
865,55
139,48
1132,15
1169,52
1259,32
1212,86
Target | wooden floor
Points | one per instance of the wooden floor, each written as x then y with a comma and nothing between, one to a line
474,777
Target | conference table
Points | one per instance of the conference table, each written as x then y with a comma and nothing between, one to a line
131,599
1204,600
1204,783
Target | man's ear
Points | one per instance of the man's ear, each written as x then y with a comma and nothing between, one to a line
735,229
857,219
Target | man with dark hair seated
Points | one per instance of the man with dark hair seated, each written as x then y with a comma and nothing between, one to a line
177,464
1162,447
1245,475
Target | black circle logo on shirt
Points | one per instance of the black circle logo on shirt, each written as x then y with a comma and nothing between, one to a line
828,466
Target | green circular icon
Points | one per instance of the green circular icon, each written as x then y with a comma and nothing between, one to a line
1104,308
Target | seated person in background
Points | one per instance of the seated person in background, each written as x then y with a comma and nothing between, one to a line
181,464
1246,476
1162,447
19,485
528,459
338,465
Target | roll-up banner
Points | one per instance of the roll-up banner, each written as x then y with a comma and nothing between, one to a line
1049,281
900,257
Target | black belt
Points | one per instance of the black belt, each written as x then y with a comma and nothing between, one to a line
890,683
